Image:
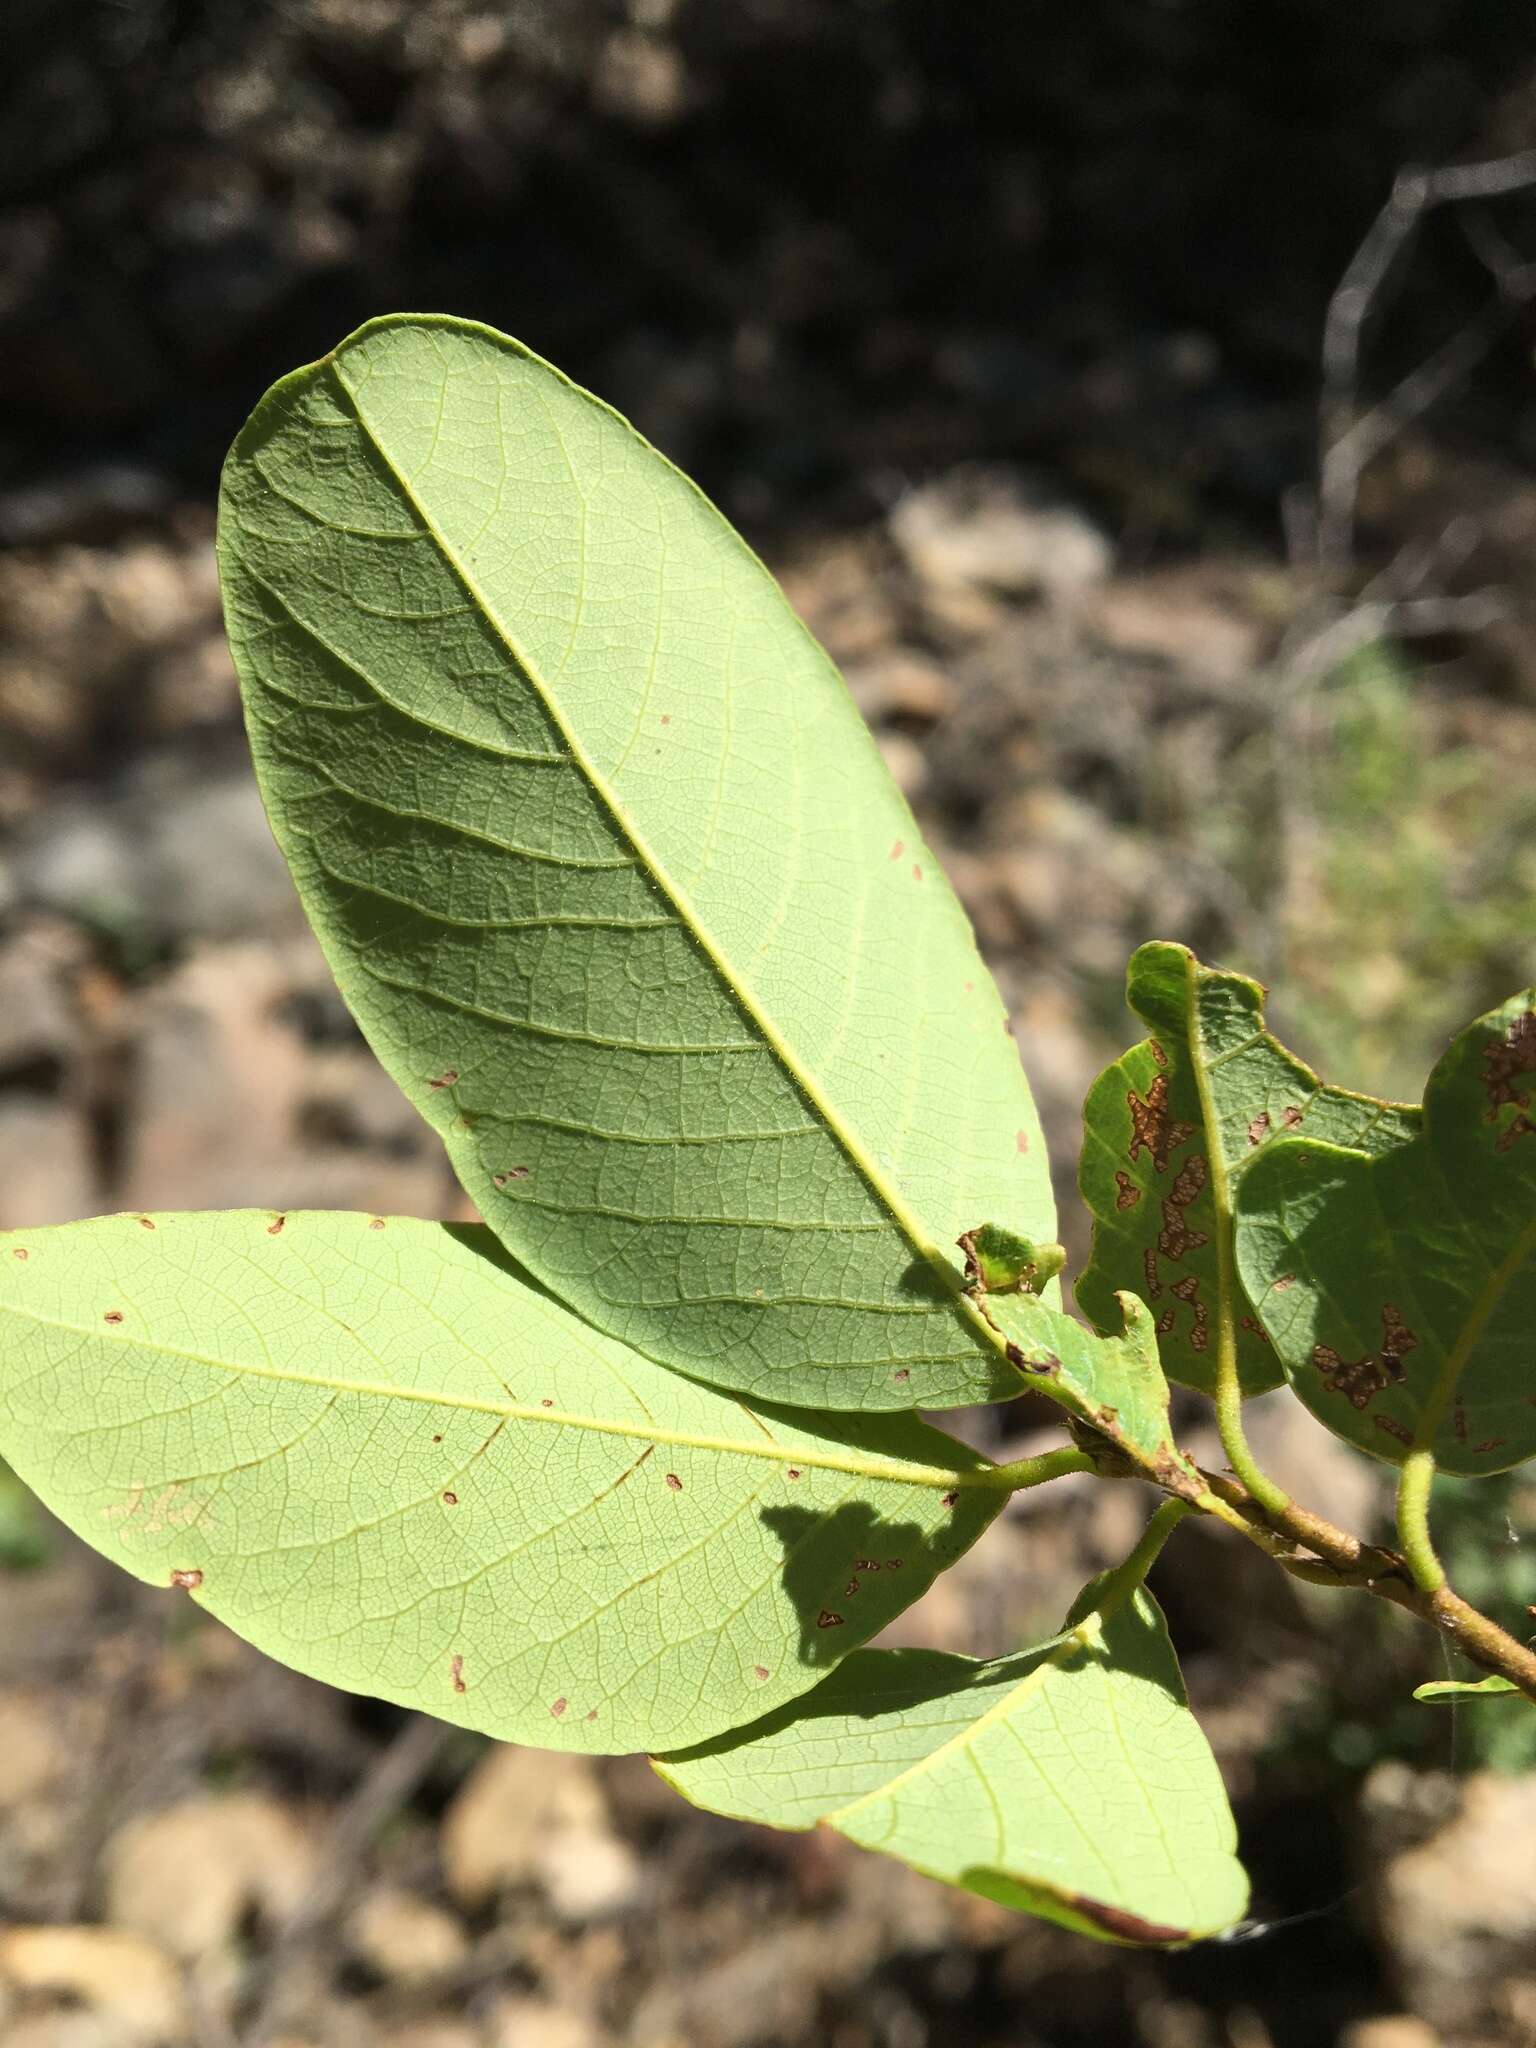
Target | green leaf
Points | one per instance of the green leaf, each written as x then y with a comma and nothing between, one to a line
1114,1384
1447,1691
610,872
1070,1780
1169,1132
999,1261
1400,1291
380,1455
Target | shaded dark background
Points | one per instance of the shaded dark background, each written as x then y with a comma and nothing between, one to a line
998,329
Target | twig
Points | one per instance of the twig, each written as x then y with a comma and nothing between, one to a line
382,1792
1349,438
1345,1561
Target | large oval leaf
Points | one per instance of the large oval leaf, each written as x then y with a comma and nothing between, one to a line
1070,1780
371,1448
613,877
1400,1291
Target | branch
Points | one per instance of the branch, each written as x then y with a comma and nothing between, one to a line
1348,437
1340,1560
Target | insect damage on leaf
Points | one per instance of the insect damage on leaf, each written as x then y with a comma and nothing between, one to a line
1431,1244
1169,1131
999,1261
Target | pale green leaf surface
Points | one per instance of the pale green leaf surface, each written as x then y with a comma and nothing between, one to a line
1447,1691
1400,1291
381,1456
1070,1780
1170,1129
613,877
1115,1384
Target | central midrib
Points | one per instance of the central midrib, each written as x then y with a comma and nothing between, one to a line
808,1087
982,1477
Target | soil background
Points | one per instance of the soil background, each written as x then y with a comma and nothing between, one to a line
1000,331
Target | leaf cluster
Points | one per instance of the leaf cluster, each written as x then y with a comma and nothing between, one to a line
615,883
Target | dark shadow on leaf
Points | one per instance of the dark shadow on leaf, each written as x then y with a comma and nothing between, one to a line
849,1573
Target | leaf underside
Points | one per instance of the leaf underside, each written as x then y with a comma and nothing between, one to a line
1400,1291
612,875
1114,1384
379,1454
1447,1691
1161,1175
1070,1780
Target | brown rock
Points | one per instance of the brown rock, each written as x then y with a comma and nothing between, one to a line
536,1817
188,1875
127,1985
32,1754
405,1937
1457,1906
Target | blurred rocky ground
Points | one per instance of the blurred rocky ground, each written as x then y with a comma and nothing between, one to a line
1000,335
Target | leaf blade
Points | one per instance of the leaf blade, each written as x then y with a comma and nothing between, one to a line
700,1073
981,1774
408,1519
1400,1290
1171,1128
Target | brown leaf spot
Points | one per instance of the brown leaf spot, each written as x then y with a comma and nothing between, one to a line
113,1315
275,1228
1258,1130
893,1564
1290,1116
759,1671
1285,1281
375,1222
1125,1926
948,1500
970,987
1505,1061
1153,1130
827,1619
917,873
1390,1427
1459,1420
20,1252
850,1589
512,1173
1191,1179
456,1672
792,1472
1166,1320
1149,1268
146,1223
450,1500
437,1439
674,1482
1046,1362
445,1079
1159,1057
666,718
898,849
902,1373
1489,1443
1021,1141
558,1707
1397,1340
592,1713
1188,1289
1176,1238
866,1564
1127,1194
188,1578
